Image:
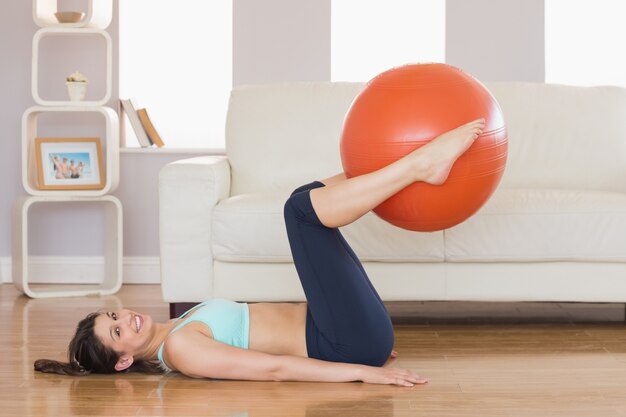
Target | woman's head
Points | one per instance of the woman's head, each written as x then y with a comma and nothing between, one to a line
86,353
126,332
105,343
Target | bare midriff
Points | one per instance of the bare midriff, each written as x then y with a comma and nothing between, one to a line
278,328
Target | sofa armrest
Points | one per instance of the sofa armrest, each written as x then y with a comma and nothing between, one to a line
189,189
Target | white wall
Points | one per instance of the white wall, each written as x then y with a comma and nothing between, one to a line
17,29
274,40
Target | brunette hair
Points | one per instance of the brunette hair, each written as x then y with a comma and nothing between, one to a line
87,354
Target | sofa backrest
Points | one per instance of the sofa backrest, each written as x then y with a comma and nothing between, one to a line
564,136
280,136
284,135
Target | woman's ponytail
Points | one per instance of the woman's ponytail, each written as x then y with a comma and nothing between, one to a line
61,368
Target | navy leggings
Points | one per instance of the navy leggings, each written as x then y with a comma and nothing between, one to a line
346,319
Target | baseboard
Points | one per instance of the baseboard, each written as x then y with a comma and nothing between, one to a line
142,270
83,270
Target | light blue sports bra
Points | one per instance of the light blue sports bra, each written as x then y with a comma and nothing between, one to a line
228,321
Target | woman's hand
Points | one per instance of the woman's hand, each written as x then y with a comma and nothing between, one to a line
391,376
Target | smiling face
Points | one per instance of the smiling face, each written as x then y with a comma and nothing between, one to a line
124,331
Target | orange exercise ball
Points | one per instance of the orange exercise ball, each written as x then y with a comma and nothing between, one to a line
404,108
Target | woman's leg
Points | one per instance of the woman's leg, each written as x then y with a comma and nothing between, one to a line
342,202
347,320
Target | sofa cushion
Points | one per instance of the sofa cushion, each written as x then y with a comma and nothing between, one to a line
527,225
250,228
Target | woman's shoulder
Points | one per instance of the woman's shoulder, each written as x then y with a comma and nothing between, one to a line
182,348
180,341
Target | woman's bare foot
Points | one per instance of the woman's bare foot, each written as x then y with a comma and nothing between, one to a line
434,160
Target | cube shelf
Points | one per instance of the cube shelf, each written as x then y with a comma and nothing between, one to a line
112,247
99,14
97,17
110,149
75,32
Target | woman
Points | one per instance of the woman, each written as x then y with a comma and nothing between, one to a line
343,333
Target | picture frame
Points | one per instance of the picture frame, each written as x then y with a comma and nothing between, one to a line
69,163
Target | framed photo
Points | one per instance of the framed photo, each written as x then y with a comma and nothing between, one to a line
69,163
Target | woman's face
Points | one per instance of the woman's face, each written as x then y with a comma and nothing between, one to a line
124,331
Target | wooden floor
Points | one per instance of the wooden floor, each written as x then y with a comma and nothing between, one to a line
527,359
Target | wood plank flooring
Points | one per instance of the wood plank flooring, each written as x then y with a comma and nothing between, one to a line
483,359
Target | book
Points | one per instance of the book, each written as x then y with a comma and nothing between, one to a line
149,128
120,111
129,107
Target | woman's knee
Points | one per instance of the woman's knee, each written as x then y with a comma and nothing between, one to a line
298,208
292,209
295,206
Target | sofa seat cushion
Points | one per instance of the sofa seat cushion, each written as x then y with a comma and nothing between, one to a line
530,225
250,228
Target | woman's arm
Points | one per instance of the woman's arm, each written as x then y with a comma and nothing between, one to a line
196,355
296,368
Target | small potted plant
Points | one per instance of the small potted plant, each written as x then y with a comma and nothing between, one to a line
76,86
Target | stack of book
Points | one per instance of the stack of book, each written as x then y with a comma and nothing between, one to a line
141,123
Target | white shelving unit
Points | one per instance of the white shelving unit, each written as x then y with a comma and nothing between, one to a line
112,248
74,32
98,15
29,133
97,18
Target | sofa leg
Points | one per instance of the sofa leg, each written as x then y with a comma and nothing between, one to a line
177,309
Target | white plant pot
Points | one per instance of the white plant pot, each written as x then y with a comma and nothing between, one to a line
76,90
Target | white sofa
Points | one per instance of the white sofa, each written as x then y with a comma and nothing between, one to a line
555,230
